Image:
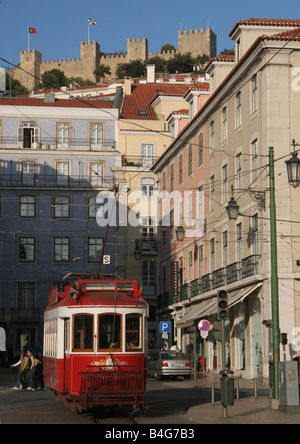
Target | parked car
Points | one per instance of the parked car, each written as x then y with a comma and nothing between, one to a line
168,363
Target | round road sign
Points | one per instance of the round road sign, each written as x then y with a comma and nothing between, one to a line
204,325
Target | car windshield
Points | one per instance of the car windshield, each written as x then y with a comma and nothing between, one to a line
169,356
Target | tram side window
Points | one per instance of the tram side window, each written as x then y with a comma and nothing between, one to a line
83,332
133,332
109,332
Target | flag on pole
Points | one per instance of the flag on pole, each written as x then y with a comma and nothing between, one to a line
31,30
92,22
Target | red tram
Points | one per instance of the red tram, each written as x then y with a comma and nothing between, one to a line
95,346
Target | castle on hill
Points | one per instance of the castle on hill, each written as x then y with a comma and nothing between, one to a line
194,41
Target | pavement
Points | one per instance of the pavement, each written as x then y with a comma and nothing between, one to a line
247,410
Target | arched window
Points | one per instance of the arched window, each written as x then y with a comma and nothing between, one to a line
109,337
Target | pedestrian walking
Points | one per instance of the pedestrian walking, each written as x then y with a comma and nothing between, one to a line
22,364
31,376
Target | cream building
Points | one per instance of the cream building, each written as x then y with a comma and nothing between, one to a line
254,105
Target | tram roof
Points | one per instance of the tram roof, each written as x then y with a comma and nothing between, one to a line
97,293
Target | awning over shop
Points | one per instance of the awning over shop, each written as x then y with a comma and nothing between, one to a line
208,306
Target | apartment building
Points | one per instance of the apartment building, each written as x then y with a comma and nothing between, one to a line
56,156
222,154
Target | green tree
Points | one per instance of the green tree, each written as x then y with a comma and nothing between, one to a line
160,64
53,79
168,47
101,71
135,68
17,89
181,63
227,52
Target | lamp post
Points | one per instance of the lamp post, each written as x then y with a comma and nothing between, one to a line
233,211
180,233
293,167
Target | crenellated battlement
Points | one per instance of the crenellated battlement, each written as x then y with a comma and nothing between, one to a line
197,42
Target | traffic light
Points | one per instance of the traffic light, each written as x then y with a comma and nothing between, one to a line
222,304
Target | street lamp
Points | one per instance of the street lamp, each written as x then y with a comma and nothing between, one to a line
137,252
180,232
232,208
293,168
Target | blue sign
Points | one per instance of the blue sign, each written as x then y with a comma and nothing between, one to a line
165,327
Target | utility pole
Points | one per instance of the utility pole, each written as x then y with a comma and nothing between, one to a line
274,283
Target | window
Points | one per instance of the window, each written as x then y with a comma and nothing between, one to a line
212,256
26,295
212,136
96,173
148,228
191,268
239,234
109,336
28,173
95,245
254,93
27,206
83,333
147,154
96,135
164,181
61,207
149,273
180,169
200,150
238,171
172,227
212,193
61,249
133,332
95,206
254,150
171,178
224,184
26,249
224,124
255,235
225,248
190,160
62,134
62,173
148,187
28,135
201,261
238,115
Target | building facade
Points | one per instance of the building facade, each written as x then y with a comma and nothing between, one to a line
56,157
224,153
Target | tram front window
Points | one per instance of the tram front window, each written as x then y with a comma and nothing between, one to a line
109,332
133,332
83,332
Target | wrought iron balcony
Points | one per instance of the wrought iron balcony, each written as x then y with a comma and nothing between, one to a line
49,143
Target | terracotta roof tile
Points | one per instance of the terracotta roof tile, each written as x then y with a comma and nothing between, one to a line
57,104
266,22
137,104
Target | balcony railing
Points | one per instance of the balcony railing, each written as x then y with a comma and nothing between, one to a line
50,181
23,314
48,143
224,276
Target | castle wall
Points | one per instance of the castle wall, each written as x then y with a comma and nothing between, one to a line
196,42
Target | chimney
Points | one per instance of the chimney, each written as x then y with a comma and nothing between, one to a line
127,86
150,73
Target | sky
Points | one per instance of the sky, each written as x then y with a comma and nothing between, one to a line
62,24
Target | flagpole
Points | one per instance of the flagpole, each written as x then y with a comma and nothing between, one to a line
88,31
28,40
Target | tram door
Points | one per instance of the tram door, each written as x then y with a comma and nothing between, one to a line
66,353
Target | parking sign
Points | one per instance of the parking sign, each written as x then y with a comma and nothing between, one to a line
165,327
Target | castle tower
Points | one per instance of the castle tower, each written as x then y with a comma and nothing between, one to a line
90,59
137,49
198,42
30,61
